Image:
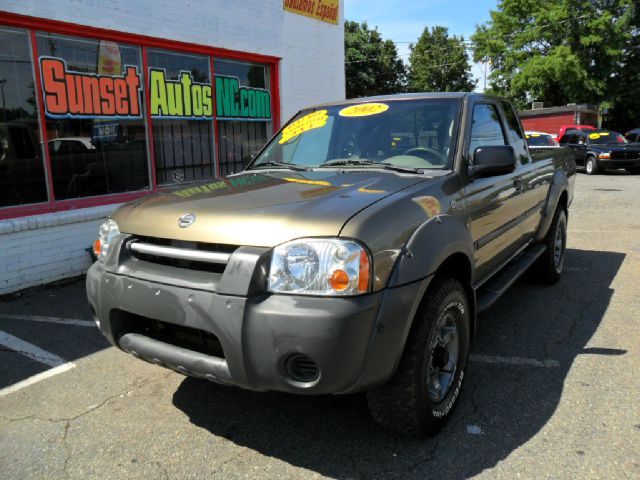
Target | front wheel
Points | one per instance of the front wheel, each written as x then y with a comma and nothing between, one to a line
591,166
633,170
421,395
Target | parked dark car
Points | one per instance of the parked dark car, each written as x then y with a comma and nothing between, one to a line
633,136
602,149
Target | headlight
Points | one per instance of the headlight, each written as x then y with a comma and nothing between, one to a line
605,155
107,231
320,266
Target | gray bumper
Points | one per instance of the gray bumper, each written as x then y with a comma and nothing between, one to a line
355,342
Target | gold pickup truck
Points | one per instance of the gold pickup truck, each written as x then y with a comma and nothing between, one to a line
352,254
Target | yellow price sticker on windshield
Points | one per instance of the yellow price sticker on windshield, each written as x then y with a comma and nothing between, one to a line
535,135
594,136
364,110
308,122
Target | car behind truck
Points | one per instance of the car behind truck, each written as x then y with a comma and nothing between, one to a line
353,254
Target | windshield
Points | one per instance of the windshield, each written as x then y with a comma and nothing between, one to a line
416,134
541,140
604,138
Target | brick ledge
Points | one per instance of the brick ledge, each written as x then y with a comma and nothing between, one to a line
55,219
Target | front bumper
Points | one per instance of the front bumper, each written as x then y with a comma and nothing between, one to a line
355,342
619,162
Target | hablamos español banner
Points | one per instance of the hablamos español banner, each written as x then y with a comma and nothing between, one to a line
323,10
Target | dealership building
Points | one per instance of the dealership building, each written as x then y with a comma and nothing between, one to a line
106,101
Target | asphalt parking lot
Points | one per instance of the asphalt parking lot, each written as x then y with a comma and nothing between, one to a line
552,391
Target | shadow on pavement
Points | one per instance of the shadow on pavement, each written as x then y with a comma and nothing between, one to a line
69,342
502,406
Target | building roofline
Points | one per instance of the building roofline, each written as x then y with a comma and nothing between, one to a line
582,107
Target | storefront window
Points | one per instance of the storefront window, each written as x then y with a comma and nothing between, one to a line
22,177
243,109
93,102
182,113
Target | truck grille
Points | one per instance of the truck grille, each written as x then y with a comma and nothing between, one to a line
625,155
209,257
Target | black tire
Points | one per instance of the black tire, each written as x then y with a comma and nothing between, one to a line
548,267
406,403
591,166
634,170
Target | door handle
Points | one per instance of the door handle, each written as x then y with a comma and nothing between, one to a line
517,183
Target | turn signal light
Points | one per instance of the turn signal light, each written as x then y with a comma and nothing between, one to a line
339,280
97,247
363,278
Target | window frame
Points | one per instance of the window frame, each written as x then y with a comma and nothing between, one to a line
33,25
469,155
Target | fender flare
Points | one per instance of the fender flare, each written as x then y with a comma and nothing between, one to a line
559,185
429,246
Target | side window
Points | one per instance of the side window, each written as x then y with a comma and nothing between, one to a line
485,128
514,132
582,139
567,139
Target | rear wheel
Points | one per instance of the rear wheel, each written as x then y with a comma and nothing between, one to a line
421,395
548,267
591,165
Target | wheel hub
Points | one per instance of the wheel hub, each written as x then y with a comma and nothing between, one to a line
443,358
440,357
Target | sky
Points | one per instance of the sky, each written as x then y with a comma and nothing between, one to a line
403,21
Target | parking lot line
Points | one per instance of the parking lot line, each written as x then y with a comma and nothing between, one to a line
36,378
33,352
533,362
30,350
37,318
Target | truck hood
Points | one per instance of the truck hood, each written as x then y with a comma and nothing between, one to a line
261,208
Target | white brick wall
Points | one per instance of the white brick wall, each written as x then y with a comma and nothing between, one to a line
39,249
44,248
312,67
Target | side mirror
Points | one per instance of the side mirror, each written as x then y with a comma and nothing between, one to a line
492,160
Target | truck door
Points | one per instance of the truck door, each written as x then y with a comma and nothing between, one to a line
572,140
534,177
581,149
493,203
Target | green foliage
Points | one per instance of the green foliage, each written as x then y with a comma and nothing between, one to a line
625,113
557,51
439,63
372,65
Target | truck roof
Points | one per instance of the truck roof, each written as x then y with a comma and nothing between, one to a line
408,96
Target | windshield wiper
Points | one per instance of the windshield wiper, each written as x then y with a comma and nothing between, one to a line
290,166
386,166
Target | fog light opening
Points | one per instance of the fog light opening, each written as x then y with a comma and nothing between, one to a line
302,368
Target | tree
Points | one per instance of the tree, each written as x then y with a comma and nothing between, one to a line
554,51
439,63
372,65
625,113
